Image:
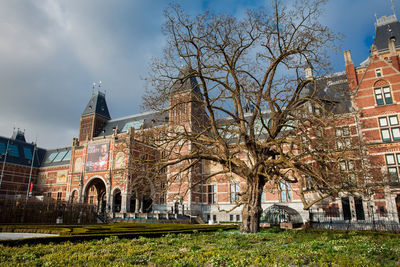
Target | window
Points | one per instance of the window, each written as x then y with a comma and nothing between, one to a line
13,150
48,194
237,218
212,194
378,72
28,153
343,136
286,192
91,200
347,167
263,196
59,196
2,148
383,95
214,218
231,218
390,129
235,190
393,162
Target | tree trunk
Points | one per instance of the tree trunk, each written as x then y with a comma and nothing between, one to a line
251,211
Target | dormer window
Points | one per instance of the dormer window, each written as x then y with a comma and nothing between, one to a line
383,96
378,72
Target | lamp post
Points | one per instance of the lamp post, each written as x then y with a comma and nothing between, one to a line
4,163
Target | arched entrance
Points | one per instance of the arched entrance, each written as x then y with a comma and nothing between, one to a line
95,194
74,196
147,204
117,200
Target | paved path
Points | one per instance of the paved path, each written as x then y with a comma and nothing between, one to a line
4,236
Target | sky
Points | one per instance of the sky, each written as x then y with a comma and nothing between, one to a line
52,51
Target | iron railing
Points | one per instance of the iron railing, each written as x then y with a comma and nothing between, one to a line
388,222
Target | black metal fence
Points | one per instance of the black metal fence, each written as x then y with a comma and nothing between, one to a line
388,222
33,211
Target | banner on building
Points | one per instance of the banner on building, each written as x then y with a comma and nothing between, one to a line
97,157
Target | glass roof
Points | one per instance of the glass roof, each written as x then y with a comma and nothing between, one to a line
68,156
60,156
133,124
51,157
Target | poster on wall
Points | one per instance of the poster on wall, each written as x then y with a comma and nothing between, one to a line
97,157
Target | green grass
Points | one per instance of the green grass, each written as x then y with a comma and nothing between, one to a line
221,248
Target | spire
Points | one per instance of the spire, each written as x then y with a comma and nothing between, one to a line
387,27
18,135
186,81
97,105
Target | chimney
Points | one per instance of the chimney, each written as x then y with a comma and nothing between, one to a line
350,70
393,54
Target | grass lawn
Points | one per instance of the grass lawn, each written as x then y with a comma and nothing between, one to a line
222,248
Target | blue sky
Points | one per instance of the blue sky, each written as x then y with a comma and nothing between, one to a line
51,51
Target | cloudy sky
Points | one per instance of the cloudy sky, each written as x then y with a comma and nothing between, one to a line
51,51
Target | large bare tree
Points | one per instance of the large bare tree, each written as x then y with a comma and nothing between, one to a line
259,120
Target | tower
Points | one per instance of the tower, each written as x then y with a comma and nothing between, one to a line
93,117
186,102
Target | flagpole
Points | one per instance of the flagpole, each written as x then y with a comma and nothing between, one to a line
30,174
4,162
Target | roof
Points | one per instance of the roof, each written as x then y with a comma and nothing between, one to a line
137,121
18,135
97,105
57,157
387,27
186,81
333,88
20,152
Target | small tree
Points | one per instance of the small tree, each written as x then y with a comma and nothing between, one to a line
258,122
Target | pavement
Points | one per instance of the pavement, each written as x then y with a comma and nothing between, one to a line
4,236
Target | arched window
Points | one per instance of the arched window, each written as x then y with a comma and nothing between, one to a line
383,94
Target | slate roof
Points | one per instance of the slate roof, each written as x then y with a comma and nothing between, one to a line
333,88
97,105
20,152
137,121
387,28
186,81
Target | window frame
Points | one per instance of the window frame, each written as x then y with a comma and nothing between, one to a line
285,192
234,190
389,128
383,95
392,166
344,133
211,194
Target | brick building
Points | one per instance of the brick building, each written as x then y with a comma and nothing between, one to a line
109,163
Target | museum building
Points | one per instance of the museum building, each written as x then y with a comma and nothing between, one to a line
108,164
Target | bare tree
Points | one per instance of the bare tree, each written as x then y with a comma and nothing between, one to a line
255,106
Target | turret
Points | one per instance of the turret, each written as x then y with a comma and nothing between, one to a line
94,117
